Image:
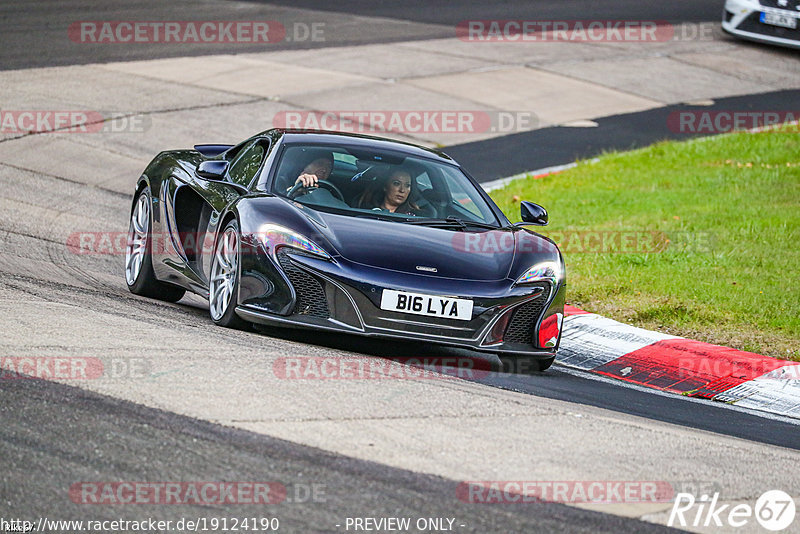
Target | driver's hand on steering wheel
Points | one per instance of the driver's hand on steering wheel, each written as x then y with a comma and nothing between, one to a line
308,180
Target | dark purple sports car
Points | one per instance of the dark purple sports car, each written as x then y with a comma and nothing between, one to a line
346,233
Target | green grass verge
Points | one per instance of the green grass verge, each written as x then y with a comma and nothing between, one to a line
730,208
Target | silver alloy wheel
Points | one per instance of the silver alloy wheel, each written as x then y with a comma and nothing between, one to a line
223,273
137,239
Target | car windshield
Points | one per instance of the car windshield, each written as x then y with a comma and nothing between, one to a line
362,182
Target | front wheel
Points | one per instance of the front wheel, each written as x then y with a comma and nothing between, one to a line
139,273
524,365
223,287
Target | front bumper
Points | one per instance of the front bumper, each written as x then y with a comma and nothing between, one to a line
504,320
742,19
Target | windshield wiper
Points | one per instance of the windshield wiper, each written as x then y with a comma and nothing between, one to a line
451,222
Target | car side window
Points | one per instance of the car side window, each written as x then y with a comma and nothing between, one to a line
424,182
246,166
465,199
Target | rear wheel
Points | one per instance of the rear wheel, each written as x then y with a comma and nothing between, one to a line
139,273
223,286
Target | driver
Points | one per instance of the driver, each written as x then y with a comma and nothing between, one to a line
318,168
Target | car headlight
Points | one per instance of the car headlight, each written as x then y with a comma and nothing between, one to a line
275,236
551,271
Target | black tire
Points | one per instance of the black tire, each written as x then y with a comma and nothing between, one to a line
142,281
524,365
545,364
228,317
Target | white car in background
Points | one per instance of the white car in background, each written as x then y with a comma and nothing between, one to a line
768,21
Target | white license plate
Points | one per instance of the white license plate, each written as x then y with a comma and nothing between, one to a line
776,19
430,305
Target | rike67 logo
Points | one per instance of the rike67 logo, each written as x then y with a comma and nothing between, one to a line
774,510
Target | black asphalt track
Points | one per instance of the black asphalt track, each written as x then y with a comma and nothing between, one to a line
538,149
55,436
34,33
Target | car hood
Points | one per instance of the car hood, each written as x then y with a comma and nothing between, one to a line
449,253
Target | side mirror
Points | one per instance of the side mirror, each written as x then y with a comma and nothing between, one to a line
212,170
533,213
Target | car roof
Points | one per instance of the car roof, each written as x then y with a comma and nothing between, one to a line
361,141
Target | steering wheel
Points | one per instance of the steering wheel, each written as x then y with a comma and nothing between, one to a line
324,183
